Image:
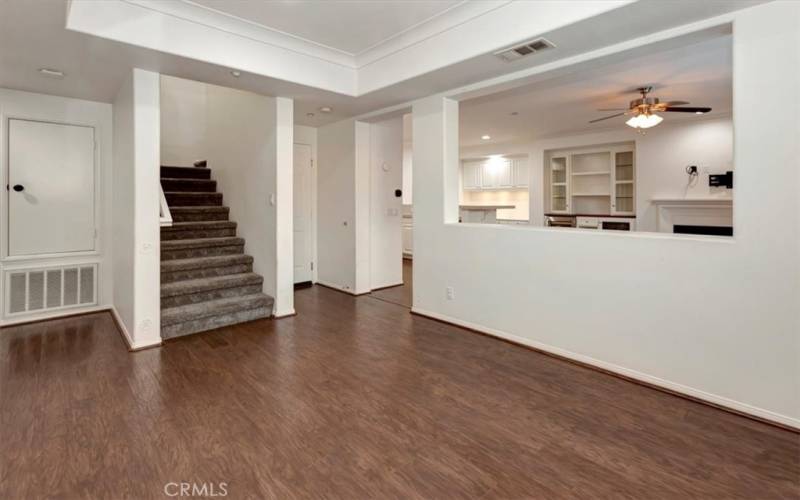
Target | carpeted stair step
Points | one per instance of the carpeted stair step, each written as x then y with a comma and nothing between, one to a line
202,247
185,172
184,199
193,185
205,267
192,214
193,318
199,229
181,293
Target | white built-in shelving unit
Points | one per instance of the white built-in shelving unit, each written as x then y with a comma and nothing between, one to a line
598,180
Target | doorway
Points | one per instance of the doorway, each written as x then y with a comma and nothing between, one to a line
303,228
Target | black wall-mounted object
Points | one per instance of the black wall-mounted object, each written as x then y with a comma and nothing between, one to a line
710,230
398,193
721,180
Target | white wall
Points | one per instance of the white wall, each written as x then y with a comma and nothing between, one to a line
136,235
716,319
343,206
183,121
386,172
408,159
662,155
17,104
123,207
284,206
244,145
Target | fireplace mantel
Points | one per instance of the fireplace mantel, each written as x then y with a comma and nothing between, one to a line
692,211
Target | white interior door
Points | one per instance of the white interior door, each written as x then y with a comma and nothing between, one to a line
302,213
51,188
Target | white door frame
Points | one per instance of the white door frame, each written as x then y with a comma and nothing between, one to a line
5,198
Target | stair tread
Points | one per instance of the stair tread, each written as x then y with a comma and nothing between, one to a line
184,172
200,224
211,283
202,242
185,179
190,312
199,208
201,262
194,193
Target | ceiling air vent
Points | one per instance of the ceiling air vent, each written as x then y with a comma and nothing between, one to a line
524,49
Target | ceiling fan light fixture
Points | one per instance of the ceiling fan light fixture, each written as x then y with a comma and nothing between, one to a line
644,121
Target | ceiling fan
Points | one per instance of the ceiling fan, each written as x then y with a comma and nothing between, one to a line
644,110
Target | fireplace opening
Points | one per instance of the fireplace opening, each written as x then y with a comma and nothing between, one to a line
708,230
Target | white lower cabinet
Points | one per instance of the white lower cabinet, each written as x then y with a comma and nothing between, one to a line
408,236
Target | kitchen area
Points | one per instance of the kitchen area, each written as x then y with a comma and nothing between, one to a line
495,190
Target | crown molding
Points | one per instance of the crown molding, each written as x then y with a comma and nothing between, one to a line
211,18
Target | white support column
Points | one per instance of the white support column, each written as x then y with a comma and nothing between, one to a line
362,208
284,209
435,183
136,237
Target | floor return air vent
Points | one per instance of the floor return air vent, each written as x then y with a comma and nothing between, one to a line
37,290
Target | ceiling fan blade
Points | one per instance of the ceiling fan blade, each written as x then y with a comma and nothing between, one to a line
674,103
613,109
687,110
606,118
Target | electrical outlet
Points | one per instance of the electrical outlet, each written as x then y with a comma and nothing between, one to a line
451,294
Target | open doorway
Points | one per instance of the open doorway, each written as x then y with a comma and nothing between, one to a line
392,210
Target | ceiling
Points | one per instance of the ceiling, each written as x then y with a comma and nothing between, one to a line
32,36
699,73
350,26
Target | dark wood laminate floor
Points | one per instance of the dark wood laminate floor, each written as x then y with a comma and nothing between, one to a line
355,398
401,294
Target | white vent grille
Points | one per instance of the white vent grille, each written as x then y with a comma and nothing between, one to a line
47,289
524,49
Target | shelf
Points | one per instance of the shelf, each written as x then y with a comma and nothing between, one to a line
591,194
625,164
598,172
624,182
559,184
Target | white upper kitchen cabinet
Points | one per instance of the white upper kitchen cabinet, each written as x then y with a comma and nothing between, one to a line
495,172
471,174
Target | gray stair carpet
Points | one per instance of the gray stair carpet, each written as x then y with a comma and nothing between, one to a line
207,281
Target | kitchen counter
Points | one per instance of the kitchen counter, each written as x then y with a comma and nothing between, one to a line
590,215
481,213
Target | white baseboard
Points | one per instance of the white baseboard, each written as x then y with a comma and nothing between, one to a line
714,399
388,285
335,287
132,346
63,313
284,314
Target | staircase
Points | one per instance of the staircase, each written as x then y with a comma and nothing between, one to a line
206,279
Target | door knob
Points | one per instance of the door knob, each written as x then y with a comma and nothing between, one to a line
19,187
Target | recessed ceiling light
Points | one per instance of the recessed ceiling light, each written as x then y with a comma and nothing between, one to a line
52,73
310,115
486,137
698,112
326,109
236,74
